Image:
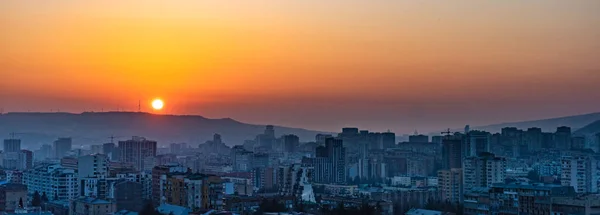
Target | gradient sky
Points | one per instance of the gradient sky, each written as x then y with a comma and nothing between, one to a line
397,64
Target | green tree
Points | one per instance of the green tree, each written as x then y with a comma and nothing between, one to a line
36,201
148,210
44,197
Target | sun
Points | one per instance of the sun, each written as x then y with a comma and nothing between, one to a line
158,104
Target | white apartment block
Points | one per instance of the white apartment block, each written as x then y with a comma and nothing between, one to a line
54,180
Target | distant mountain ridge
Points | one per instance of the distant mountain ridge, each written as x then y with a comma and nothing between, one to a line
589,130
548,125
96,128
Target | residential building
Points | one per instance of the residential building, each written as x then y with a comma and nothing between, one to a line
92,206
136,151
158,172
290,143
57,182
418,138
517,199
62,146
452,153
12,145
477,202
295,181
562,138
127,196
579,170
95,165
450,185
483,171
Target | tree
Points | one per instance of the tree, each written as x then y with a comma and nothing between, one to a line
20,202
44,197
148,210
36,201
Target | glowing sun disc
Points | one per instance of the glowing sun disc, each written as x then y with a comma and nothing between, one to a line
157,104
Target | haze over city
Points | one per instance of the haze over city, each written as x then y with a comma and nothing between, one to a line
399,65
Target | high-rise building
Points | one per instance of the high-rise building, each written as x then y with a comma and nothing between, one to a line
450,183
242,159
112,151
337,153
330,162
158,172
562,137
25,160
418,138
580,171
320,138
483,171
44,152
452,152
477,142
533,139
192,190
57,182
267,140
295,181
136,151
437,139
62,146
291,143
12,145
96,165
388,140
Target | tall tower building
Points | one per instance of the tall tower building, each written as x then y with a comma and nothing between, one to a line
562,137
533,139
388,139
477,142
136,150
62,146
483,171
290,143
93,166
12,145
450,185
337,153
452,152
580,171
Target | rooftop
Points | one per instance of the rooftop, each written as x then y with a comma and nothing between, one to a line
415,211
91,200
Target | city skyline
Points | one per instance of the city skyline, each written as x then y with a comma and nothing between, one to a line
380,65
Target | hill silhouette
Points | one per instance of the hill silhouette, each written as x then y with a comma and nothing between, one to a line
95,128
550,125
589,130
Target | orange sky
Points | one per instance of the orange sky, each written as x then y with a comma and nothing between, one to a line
380,64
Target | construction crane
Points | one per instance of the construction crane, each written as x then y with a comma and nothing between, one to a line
112,138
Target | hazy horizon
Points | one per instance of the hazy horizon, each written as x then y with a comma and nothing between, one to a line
376,65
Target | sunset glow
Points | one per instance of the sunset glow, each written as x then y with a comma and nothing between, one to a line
158,104
302,63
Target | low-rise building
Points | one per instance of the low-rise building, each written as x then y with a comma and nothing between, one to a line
92,206
11,195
